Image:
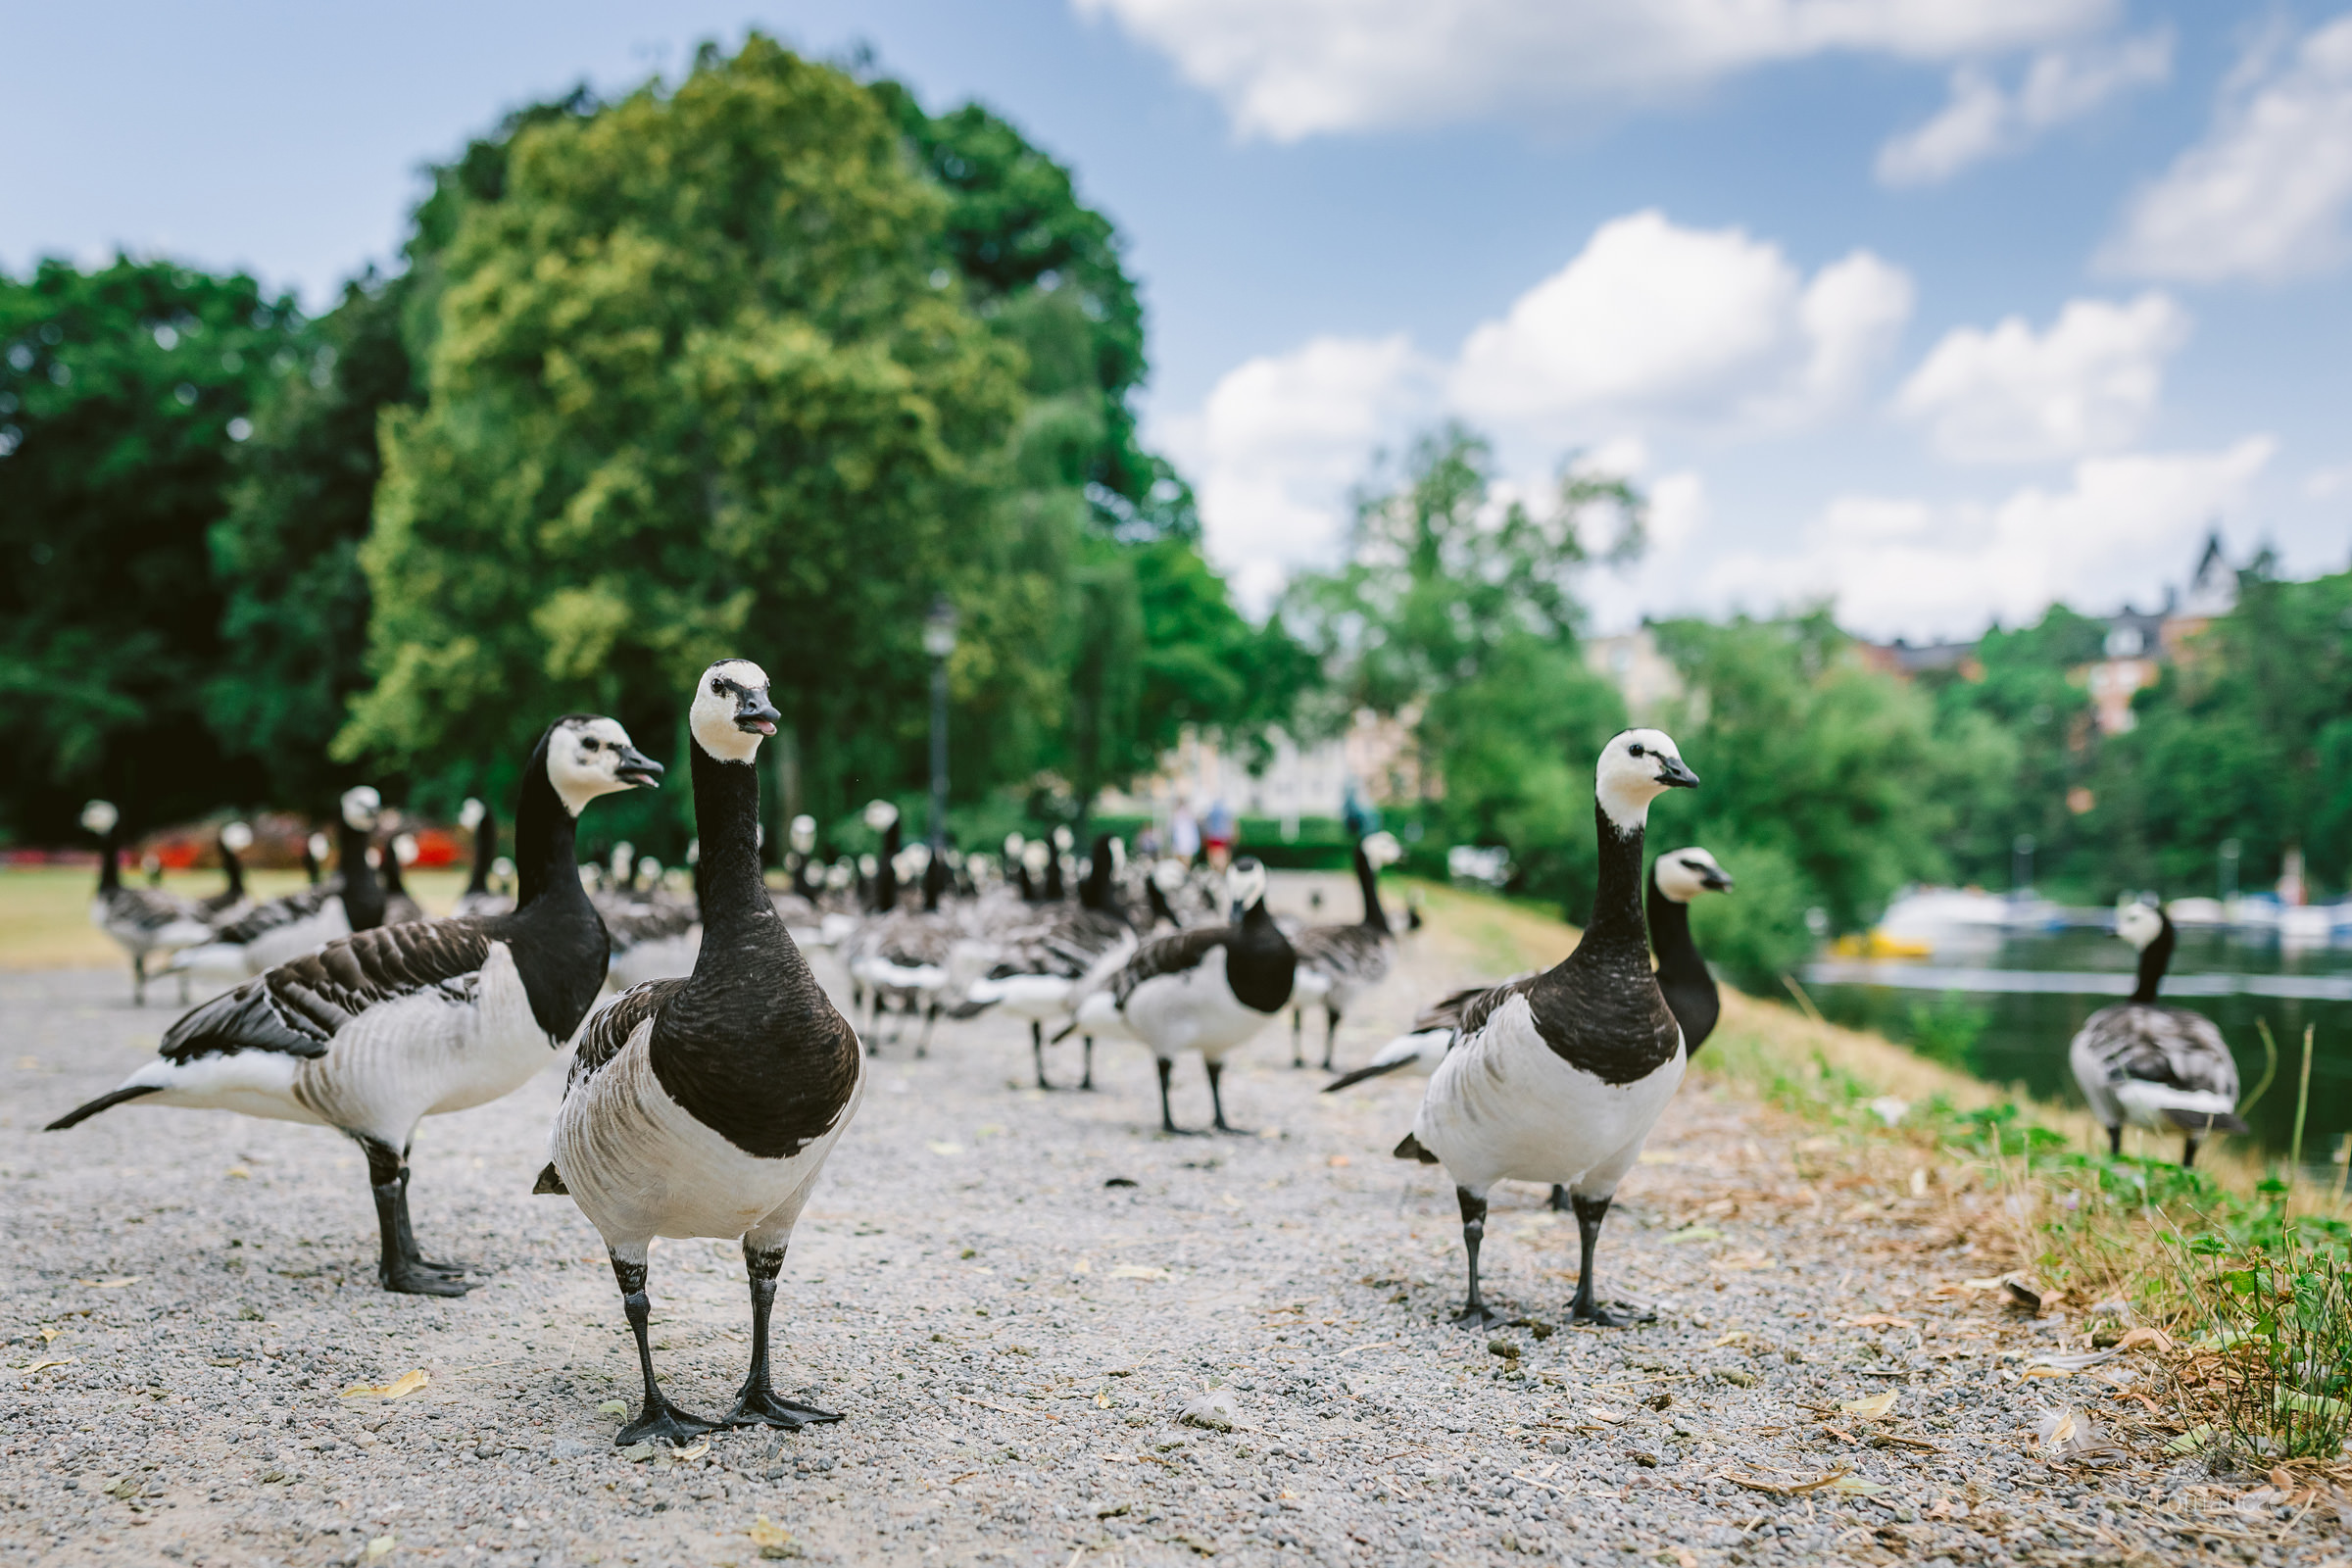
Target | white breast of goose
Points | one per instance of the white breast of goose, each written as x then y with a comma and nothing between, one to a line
1191,1009
641,1165
1502,1103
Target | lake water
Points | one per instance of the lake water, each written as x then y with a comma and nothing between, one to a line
2006,1006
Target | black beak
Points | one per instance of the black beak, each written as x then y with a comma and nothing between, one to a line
1715,882
638,771
755,714
1671,772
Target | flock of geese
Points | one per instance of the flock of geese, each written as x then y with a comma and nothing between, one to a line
703,1099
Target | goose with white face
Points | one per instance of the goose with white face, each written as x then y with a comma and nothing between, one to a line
1683,874
236,837
879,815
804,834
362,808
2138,923
731,713
1245,885
470,814
100,818
1636,767
589,756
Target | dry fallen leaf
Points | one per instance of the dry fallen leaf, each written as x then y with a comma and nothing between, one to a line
1085,1265
1877,1320
2068,1434
772,1538
241,1173
48,1334
2146,1336
43,1366
1138,1271
1736,1337
111,1285
945,1149
400,1387
1338,1162
1785,1489
1873,1408
379,1549
613,1407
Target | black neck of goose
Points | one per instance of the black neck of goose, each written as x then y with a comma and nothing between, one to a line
235,869
2154,959
363,895
393,884
1617,897
1368,881
727,817
1095,892
110,861
545,850
1670,934
486,850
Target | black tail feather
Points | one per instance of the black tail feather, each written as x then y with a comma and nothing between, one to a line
1411,1148
1376,1071
550,1180
112,1097
2206,1121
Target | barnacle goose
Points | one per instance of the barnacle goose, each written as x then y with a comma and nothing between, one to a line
141,921
479,898
1035,969
2155,1067
705,1106
1338,963
1558,1078
231,901
380,1029
1208,989
397,856
301,922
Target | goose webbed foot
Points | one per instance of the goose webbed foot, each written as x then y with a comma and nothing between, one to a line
763,1408
1477,1315
1087,1083
1611,1316
664,1422
1216,1098
406,1277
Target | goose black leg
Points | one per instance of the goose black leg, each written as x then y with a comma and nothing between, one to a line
1297,1026
1216,1074
1474,1312
1168,1122
1589,1212
138,979
922,1041
396,1269
2189,1152
1037,1051
659,1418
756,1403
873,1028
1088,1082
2115,1140
407,1234
1331,1035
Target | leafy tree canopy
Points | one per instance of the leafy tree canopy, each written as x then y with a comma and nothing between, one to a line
122,392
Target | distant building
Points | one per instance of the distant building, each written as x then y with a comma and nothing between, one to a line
2138,643
1643,676
1377,756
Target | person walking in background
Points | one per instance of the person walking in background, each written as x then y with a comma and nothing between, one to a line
1184,833
1219,833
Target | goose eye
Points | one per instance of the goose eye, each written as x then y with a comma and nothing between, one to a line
718,688
587,743
1635,750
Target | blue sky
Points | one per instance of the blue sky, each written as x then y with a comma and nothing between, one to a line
1935,308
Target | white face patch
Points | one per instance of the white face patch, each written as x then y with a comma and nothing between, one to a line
236,837
1168,875
1628,774
1683,874
1246,883
1382,848
879,815
361,807
100,818
713,716
469,816
803,833
2138,924
583,761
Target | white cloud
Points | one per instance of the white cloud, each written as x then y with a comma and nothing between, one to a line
1650,322
2087,385
1289,69
2264,194
1280,440
1711,324
1984,120
2124,528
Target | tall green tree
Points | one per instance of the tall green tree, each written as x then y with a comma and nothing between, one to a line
1457,610
695,376
123,391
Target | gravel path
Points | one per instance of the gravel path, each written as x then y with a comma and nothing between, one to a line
1012,1296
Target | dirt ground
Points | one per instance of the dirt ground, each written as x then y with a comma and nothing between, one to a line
1012,1296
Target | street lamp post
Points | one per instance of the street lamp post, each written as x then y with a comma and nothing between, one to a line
939,641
